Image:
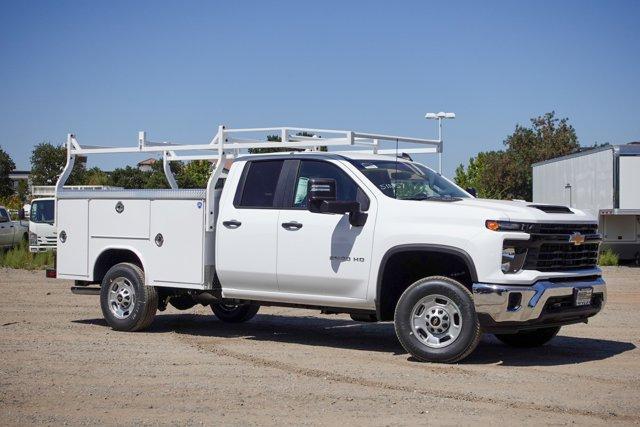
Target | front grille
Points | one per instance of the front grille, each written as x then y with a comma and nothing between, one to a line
561,256
552,247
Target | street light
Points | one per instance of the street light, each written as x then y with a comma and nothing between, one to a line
439,116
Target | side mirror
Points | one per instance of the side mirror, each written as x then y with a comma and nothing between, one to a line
21,215
322,199
472,191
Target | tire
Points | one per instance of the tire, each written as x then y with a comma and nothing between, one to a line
234,313
446,328
529,339
127,303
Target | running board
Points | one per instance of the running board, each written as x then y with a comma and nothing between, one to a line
84,290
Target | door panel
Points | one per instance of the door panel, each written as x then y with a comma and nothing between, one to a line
246,230
325,256
181,226
73,220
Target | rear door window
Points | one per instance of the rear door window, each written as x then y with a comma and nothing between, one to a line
260,184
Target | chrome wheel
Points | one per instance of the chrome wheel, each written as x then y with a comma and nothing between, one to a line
436,321
122,297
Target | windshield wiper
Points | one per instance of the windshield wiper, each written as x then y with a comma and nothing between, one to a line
435,198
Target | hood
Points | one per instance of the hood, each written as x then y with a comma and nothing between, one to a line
519,210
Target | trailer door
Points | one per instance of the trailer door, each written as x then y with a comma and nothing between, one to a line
629,179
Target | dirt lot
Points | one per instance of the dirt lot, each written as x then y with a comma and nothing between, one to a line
61,364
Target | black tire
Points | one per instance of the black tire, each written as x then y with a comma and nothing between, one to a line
145,298
231,313
531,338
468,326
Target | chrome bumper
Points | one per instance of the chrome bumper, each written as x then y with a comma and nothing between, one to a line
493,300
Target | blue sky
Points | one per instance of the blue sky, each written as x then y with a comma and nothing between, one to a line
105,70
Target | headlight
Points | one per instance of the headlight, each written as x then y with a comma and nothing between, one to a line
508,226
33,239
513,259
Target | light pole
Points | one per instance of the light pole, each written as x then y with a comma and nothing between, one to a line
439,116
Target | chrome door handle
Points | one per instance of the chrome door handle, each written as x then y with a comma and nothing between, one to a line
232,223
293,225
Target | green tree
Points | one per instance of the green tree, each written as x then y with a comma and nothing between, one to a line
195,174
96,176
507,174
6,166
129,178
23,190
48,161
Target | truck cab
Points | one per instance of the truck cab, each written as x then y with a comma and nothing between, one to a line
379,237
42,232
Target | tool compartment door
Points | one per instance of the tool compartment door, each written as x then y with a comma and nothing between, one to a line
119,218
73,228
177,242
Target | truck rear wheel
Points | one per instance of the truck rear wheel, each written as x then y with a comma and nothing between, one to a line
530,338
127,303
234,313
436,321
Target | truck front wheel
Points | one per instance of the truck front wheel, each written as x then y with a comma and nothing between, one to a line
234,313
530,338
436,321
127,303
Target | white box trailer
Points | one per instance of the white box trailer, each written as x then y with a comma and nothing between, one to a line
605,182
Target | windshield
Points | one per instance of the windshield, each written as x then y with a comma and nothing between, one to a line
408,181
42,211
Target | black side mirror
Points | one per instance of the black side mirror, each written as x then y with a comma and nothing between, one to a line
21,215
472,191
322,199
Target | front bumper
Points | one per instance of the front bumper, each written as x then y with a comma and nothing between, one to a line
546,303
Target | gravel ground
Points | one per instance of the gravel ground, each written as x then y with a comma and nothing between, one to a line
61,364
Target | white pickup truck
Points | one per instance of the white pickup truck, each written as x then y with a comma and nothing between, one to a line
379,237
11,232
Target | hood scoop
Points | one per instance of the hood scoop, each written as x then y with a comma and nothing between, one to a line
552,209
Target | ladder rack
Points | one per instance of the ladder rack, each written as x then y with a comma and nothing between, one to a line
228,144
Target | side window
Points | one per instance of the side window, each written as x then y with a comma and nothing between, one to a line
4,216
346,188
260,184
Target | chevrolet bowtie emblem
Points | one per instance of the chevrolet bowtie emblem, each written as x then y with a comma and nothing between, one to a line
577,239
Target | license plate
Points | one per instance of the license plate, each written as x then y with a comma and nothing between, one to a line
582,296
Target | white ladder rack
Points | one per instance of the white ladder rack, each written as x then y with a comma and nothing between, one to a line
228,143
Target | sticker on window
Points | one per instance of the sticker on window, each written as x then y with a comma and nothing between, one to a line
301,190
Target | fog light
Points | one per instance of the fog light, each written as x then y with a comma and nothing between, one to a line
513,259
508,256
